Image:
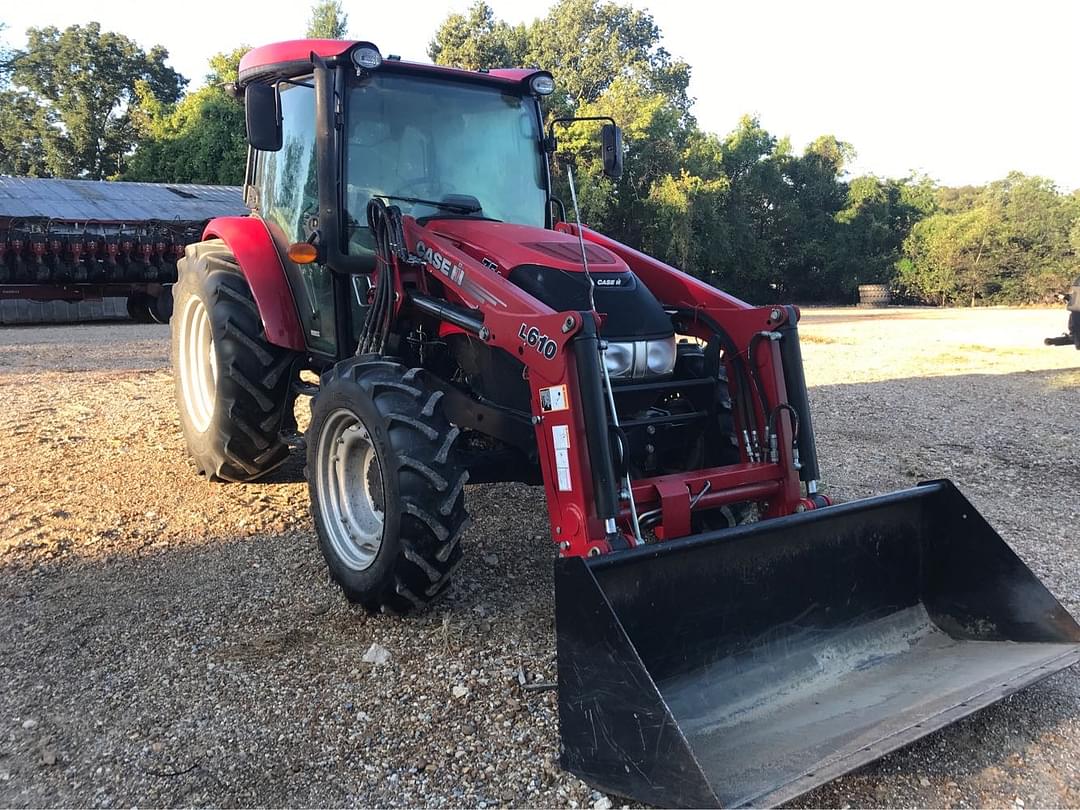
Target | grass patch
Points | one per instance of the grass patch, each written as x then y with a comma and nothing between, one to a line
811,338
1064,380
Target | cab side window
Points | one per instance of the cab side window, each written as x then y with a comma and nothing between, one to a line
288,193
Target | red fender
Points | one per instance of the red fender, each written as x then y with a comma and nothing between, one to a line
249,241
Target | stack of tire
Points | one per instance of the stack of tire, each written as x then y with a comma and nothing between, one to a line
874,295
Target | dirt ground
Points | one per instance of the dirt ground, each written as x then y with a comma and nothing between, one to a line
167,641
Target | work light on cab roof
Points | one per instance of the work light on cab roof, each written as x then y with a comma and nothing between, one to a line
366,56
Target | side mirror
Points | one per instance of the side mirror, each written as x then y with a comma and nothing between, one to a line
262,111
611,150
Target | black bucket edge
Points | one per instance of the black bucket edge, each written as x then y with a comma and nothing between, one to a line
920,491
638,750
831,769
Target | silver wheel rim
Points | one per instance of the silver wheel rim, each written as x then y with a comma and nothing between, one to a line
198,364
349,487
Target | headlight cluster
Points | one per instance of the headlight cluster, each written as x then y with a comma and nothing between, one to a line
640,358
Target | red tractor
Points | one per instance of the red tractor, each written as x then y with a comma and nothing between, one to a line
724,634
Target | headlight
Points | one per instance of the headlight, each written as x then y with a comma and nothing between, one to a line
661,355
640,359
619,359
367,57
542,84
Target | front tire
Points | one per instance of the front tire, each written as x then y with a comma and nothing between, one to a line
386,486
232,384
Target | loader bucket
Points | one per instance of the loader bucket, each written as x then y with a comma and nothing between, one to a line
748,666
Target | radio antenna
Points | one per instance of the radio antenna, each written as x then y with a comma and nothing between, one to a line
581,239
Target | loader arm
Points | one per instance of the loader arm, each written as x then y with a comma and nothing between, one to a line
775,363
546,342
559,351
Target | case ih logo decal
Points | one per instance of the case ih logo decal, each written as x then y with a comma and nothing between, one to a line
608,282
542,343
454,272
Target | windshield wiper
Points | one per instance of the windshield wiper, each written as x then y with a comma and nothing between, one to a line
460,208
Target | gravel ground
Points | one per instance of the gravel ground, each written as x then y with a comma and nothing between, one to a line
165,641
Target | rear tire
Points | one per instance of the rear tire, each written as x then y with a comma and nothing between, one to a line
161,306
232,384
386,485
138,308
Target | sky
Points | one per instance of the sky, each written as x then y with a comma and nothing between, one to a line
962,91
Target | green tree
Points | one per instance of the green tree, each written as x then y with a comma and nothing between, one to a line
477,40
586,44
876,219
85,80
949,257
1035,258
22,122
200,139
327,21
225,66
1010,241
5,58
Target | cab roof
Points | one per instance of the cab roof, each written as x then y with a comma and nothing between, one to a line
282,60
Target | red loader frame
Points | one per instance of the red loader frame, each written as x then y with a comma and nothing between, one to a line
544,340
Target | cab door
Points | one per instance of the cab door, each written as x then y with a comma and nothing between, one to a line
285,194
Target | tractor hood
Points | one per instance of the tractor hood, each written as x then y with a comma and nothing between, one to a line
547,265
501,246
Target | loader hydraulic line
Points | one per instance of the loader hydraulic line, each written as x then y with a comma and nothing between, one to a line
795,383
448,312
744,400
586,348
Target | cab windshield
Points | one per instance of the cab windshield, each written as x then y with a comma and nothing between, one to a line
440,141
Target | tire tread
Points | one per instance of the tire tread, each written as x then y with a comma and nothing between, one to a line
430,481
243,442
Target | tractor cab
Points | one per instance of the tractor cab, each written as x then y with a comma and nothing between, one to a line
333,125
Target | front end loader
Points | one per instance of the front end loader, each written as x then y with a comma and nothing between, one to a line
725,634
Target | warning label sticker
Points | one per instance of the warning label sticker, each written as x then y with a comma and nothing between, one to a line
553,399
560,436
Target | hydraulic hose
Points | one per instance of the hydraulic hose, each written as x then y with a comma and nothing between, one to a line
744,401
386,230
754,373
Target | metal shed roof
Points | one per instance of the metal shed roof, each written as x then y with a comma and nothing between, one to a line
82,200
